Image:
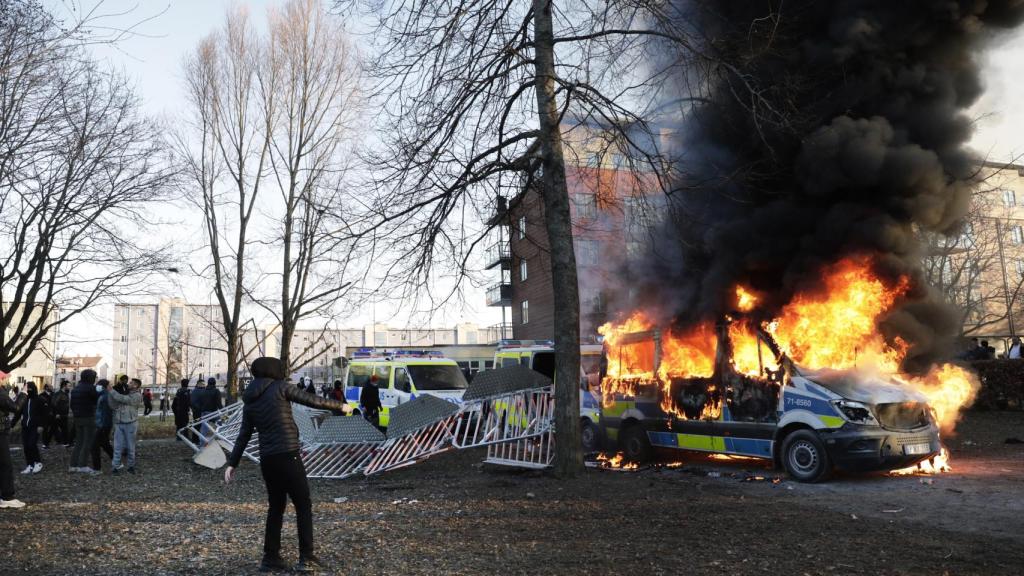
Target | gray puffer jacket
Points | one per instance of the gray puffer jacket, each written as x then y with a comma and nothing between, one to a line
125,406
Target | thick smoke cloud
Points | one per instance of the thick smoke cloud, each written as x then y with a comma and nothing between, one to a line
832,128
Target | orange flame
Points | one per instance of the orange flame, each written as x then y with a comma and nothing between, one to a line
745,299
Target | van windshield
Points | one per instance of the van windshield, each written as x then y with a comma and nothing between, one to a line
437,377
359,375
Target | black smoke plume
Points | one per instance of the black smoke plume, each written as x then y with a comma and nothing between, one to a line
830,128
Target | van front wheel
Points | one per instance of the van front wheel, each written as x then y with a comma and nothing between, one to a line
805,458
635,445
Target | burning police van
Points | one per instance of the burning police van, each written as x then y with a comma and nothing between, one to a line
730,390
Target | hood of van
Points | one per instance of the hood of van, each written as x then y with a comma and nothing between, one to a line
865,387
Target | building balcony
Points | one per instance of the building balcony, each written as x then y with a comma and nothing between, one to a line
500,295
497,254
500,215
499,332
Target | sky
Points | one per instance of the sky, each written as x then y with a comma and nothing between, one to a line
165,30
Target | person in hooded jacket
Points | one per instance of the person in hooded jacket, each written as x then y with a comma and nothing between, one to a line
83,409
8,406
59,415
31,416
104,426
267,410
180,406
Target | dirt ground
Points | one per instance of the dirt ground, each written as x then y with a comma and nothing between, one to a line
452,515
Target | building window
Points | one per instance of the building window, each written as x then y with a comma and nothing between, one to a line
524,307
594,160
522,227
523,271
587,253
1017,234
1020,268
967,236
586,205
1009,198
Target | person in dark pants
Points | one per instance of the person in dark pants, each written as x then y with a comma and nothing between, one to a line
59,422
147,402
180,406
369,399
268,411
104,426
7,407
31,416
47,397
83,408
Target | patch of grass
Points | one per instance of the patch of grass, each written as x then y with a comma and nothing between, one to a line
150,427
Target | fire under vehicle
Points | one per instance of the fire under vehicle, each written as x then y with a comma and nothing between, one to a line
808,422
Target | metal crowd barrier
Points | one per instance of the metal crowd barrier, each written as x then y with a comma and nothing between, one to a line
510,411
417,430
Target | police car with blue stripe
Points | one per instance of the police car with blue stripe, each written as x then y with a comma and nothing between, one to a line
401,376
808,422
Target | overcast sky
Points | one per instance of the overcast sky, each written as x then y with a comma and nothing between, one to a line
153,57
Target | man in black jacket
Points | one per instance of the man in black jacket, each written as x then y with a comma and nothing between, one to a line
83,409
180,406
31,416
8,406
268,410
59,423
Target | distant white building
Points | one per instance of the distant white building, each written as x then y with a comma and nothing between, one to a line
165,342
70,367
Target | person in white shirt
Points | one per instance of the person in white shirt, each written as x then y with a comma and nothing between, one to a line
1015,348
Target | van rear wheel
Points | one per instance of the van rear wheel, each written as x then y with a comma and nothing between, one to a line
804,457
635,445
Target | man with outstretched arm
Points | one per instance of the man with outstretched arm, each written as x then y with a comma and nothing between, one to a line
268,410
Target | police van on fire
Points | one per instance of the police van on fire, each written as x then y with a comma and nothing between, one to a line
401,376
807,422
539,355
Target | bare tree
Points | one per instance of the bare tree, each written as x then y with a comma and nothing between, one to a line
225,154
77,165
475,97
981,270
309,85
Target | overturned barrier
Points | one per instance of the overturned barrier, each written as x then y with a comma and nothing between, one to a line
510,411
417,430
343,446
507,405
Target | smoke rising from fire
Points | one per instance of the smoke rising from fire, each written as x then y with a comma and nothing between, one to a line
830,129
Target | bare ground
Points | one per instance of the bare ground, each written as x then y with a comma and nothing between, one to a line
451,515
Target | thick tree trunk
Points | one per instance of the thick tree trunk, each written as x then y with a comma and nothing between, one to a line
568,454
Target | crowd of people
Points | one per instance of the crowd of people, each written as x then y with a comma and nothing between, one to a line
982,350
92,418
